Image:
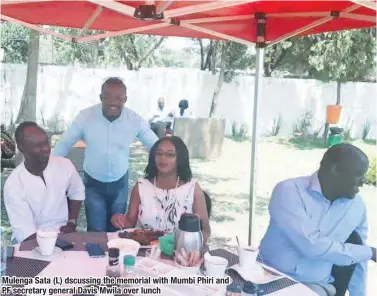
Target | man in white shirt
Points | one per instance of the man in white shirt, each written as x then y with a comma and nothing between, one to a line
35,193
160,118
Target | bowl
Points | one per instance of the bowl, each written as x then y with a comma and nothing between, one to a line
126,246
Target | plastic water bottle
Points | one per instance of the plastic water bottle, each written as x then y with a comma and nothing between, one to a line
129,266
129,270
3,249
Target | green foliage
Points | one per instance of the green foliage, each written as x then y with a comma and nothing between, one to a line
344,56
240,134
317,132
278,122
237,57
366,128
66,53
303,125
371,174
347,130
14,40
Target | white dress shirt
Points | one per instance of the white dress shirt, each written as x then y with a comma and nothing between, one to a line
31,204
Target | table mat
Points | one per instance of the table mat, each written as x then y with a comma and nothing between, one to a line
78,239
23,267
237,279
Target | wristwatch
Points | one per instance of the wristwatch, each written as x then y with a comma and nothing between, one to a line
73,221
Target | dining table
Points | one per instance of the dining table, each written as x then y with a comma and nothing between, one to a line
76,263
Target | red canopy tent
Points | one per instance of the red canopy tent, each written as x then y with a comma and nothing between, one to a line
250,22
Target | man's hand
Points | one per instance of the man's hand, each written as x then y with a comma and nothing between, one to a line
70,227
374,254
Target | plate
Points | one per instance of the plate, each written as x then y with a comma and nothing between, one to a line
37,254
257,275
131,230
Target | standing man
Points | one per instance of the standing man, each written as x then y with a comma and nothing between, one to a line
108,130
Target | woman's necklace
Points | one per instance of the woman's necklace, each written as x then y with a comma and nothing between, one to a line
162,211
155,186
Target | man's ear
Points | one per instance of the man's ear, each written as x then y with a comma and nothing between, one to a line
20,148
100,97
125,99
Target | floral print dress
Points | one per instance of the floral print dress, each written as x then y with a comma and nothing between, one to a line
161,209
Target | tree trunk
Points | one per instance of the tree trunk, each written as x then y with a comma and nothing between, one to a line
207,64
28,108
201,54
149,52
214,53
220,81
338,92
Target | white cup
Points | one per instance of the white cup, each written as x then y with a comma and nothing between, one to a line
247,256
215,266
46,241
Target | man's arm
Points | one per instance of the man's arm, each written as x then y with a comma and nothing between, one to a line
70,137
358,283
146,135
288,213
76,194
19,213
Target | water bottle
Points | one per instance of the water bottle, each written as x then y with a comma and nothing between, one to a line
3,249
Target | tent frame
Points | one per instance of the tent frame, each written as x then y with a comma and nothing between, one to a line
170,19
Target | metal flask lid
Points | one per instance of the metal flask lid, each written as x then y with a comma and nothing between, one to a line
190,223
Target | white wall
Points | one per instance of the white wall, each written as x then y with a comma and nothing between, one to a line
64,91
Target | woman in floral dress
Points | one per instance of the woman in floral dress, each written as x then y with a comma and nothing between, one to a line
165,192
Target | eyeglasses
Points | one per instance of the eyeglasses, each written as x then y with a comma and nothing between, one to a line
165,153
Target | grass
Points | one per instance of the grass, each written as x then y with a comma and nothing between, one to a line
301,143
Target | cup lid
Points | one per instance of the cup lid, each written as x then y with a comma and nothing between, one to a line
113,252
129,260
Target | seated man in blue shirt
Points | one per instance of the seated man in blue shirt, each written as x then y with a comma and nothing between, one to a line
108,130
318,226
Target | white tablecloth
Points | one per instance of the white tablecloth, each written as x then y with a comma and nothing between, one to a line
80,265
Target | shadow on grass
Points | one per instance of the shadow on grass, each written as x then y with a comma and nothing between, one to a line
302,144
220,242
213,180
226,208
221,218
370,142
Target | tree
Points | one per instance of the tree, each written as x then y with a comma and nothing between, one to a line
233,57
28,107
133,50
68,53
207,53
15,41
343,56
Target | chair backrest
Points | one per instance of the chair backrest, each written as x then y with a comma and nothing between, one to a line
208,203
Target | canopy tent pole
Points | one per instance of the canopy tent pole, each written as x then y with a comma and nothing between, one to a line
261,29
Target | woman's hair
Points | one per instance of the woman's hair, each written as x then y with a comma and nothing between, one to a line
182,159
208,203
183,105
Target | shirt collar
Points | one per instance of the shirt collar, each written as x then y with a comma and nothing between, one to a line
314,183
316,187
